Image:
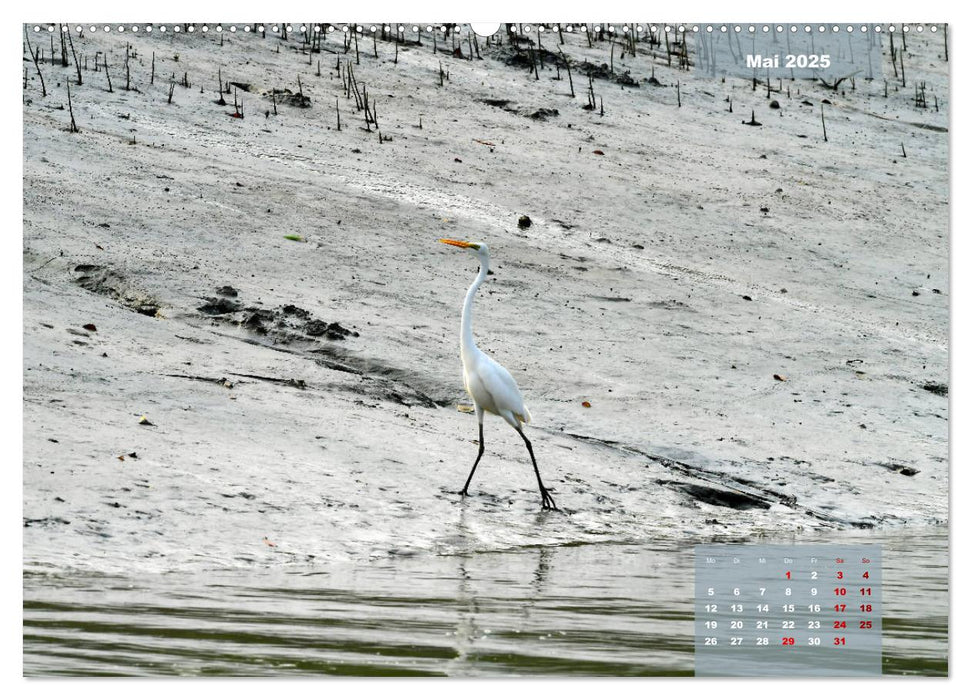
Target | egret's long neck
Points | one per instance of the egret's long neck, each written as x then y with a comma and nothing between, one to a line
467,342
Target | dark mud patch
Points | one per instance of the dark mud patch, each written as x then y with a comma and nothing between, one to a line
736,500
902,469
739,485
602,298
219,306
669,305
115,285
785,499
296,311
543,113
540,114
935,388
295,383
525,58
602,71
599,71
284,324
930,127
45,522
331,331
287,97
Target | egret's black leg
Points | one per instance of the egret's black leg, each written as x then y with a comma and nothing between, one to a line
465,489
548,502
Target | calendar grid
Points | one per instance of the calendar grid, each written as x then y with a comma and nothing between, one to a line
780,610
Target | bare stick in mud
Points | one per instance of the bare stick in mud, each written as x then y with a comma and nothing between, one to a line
903,71
108,76
70,107
65,30
822,116
219,78
77,65
33,56
893,57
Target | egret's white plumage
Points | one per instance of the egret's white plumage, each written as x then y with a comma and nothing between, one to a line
492,388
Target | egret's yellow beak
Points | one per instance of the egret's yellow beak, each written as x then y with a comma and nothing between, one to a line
460,244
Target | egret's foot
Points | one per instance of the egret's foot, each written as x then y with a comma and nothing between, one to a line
548,502
463,493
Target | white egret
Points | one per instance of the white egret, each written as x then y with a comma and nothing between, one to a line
489,384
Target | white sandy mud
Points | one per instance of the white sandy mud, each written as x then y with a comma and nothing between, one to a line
757,318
